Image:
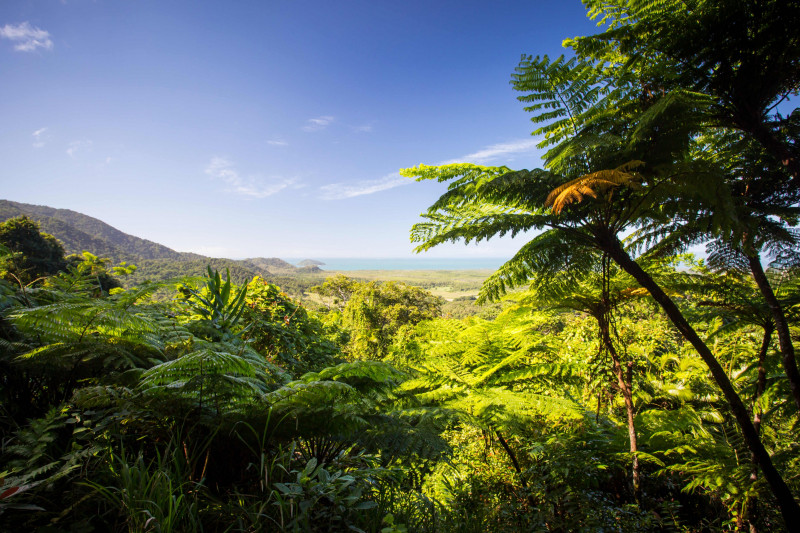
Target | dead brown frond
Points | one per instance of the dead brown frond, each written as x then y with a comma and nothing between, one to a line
592,184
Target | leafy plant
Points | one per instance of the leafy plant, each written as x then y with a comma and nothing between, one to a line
154,495
217,302
320,500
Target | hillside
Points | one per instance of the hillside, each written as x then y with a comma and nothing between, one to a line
272,264
156,262
310,262
79,232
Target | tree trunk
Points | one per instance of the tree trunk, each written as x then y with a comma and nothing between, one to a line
512,456
788,506
515,463
761,386
781,326
761,380
627,395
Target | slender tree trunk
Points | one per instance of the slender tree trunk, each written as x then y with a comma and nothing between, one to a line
788,506
626,390
781,327
513,457
761,380
761,386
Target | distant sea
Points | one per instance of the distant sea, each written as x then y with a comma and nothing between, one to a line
414,263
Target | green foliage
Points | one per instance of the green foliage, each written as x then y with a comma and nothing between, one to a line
284,331
337,289
216,303
643,126
674,45
136,371
510,402
219,377
236,408
106,276
77,341
151,496
467,306
376,313
34,254
320,500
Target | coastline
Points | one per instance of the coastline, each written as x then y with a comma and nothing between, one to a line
336,264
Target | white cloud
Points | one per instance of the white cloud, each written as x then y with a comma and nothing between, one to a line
26,38
340,191
365,128
319,123
278,142
39,137
78,146
490,153
222,169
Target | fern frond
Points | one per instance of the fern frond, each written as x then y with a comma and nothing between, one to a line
357,371
593,184
545,256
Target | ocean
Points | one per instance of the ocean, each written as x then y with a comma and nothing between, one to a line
413,263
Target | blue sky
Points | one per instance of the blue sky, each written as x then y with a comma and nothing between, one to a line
264,128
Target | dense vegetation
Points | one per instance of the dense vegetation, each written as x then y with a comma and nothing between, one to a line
236,408
620,386
658,138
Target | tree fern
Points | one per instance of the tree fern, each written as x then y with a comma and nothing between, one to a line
592,185
355,403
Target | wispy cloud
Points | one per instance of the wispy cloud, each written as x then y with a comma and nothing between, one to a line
78,146
39,137
340,191
278,142
222,169
364,128
492,152
319,123
26,38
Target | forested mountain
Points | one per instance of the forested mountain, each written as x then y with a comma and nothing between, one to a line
79,232
269,263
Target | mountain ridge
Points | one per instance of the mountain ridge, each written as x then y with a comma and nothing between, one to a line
79,232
